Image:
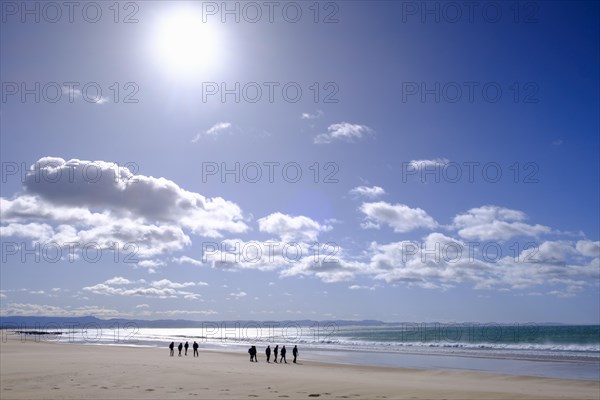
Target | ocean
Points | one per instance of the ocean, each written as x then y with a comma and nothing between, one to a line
524,349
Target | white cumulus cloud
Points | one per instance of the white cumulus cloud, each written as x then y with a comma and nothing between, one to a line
400,217
495,223
343,131
370,192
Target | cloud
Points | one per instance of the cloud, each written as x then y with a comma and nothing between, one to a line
167,283
163,288
343,131
424,264
238,295
366,191
101,100
213,131
188,260
438,262
495,223
400,217
118,280
329,264
588,248
72,92
150,264
428,164
27,309
75,93
361,287
442,262
102,203
318,114
41,232
231,254
172,313
290,228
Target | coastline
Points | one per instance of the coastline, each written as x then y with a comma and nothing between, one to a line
31,370
558,366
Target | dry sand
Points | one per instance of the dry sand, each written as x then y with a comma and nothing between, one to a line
30,370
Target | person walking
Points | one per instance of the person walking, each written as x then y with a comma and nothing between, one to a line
172,349
268,353
252,352
283,351
186,346
295,353
180,347
195,347
275,353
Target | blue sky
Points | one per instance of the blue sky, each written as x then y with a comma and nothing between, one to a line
418,134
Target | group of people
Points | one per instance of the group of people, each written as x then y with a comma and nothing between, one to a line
252,351
182,346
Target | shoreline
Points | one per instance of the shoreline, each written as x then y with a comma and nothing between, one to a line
538,365
47,370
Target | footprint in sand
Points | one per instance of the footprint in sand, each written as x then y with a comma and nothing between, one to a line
103,387
149,390
314,395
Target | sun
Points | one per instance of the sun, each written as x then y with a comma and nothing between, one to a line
185,44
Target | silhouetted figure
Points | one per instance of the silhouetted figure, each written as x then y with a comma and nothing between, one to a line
252,352
180,347
275,351
186,346
283,351
268,353
172,348
195,346
295,353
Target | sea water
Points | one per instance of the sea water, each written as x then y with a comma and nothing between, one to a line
553,351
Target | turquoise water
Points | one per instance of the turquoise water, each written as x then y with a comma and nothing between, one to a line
552,351
580,338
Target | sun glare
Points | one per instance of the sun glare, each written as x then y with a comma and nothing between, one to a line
185,44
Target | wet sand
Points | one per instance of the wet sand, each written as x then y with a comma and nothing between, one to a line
36,370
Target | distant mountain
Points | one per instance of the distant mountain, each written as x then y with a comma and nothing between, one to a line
22,322
35,322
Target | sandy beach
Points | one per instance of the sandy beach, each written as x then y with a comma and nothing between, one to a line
36,370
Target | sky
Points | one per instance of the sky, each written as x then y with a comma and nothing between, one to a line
398,161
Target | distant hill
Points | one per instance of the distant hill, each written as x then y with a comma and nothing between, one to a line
21,322
36,322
